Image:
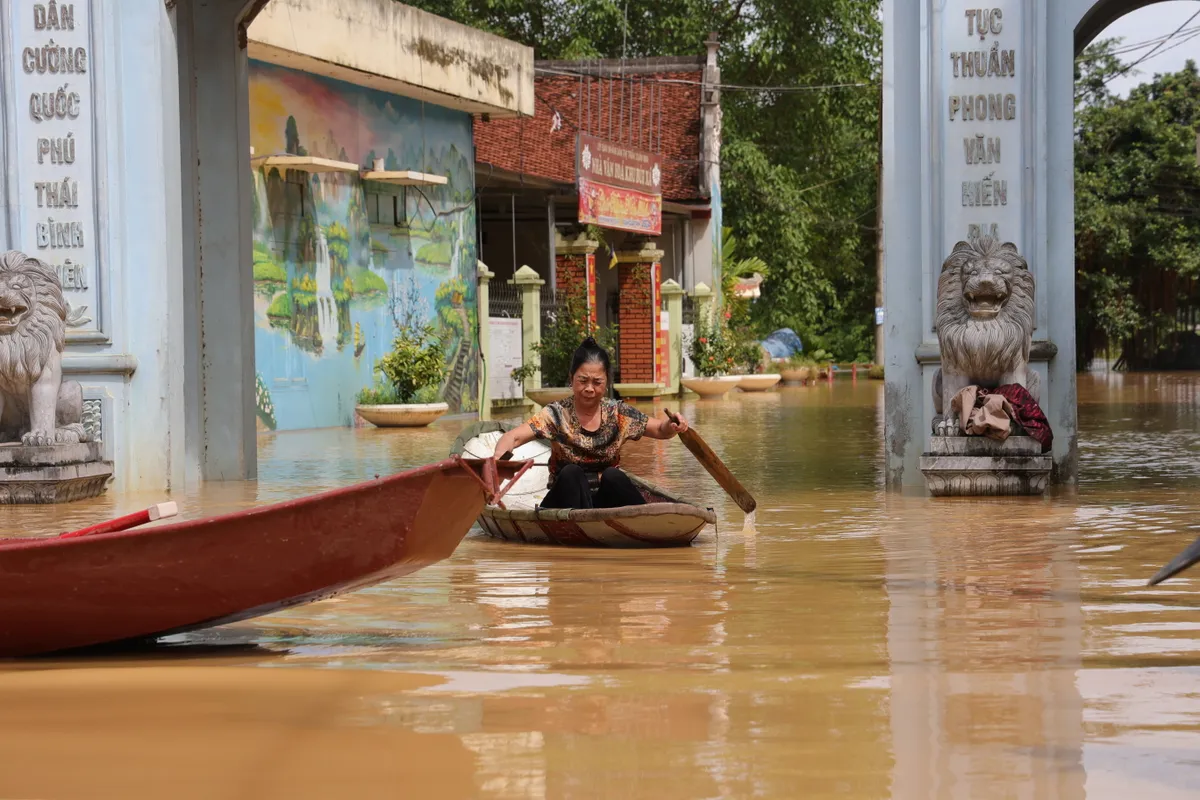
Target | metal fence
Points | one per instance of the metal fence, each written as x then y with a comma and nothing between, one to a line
552,305
504,300
689,310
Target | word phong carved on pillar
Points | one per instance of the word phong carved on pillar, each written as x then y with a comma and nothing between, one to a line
47,453
983,77
989,435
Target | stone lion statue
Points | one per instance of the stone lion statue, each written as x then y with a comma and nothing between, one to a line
36,406
984,323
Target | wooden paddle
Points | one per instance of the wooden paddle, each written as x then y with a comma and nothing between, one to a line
708,459
151,514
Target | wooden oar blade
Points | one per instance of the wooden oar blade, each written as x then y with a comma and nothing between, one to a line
716,468
1178,564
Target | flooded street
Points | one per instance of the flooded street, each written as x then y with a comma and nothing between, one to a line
856,645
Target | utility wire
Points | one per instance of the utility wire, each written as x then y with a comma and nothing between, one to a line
1168,38
722,86
1124,49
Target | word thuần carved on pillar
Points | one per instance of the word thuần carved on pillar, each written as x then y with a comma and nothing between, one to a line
981,78
53,73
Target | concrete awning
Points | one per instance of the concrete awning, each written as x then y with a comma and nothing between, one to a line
398,49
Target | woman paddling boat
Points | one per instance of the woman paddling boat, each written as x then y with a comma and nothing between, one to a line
586,432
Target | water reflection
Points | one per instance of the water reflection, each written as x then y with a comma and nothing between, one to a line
856,645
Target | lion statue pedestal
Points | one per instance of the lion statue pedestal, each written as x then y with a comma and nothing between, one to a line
46,455
985,310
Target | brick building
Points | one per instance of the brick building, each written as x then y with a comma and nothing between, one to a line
528,201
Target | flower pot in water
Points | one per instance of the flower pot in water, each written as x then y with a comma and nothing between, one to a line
712,387
758,383
402,415
548,394
796,374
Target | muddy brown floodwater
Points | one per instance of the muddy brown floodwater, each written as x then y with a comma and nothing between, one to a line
857,645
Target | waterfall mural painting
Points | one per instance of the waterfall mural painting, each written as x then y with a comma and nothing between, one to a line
333,254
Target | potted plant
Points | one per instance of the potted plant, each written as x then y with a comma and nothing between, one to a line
800,368
754,362
711,352
571,325
411,374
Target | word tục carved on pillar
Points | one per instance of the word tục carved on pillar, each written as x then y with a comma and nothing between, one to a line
55,144
980,118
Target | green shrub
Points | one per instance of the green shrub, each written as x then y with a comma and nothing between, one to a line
562,338
711,348
417,361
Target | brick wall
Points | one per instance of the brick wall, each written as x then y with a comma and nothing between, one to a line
639,321
574,273
530,147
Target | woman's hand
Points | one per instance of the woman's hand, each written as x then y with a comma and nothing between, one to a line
666,428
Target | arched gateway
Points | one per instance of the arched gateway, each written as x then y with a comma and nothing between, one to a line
978,119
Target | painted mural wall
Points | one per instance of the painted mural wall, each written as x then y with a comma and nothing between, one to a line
337,258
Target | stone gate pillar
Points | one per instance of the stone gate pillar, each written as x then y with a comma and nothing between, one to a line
638,265
704,299
483,314
977,118
672,294
530,285
575,268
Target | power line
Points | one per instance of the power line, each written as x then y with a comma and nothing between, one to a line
1124,49
722,86
1168,38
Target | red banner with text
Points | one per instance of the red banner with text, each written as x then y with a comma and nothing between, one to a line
619,186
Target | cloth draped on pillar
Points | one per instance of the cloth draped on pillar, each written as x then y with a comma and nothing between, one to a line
991,412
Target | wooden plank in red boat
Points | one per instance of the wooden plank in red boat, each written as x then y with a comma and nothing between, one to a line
60,593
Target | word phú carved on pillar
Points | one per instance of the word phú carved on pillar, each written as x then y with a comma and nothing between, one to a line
989,435
47,454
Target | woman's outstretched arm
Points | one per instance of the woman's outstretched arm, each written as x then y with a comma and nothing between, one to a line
522,434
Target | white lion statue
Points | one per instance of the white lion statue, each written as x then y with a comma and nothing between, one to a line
984,324
37,407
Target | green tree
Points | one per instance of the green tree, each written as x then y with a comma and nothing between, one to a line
1137,210
798,167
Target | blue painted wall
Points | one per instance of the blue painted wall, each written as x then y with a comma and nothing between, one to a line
334,255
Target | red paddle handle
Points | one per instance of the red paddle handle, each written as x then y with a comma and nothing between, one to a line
159,511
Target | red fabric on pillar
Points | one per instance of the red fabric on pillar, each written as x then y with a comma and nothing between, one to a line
1027,413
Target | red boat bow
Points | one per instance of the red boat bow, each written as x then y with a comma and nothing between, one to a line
60,592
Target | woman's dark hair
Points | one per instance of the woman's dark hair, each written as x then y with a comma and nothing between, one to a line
590,353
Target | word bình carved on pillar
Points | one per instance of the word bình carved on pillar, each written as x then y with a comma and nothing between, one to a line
989,434
53,73
45,450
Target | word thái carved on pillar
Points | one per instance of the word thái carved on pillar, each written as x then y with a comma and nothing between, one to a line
990,435
37,407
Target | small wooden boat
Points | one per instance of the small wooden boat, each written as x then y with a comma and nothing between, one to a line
664,521
101,585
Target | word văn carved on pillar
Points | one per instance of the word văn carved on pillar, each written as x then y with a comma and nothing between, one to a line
989,435
45,452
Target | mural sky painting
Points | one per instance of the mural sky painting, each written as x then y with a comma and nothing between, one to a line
336,259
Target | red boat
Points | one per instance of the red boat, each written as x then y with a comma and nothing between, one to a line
102,585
